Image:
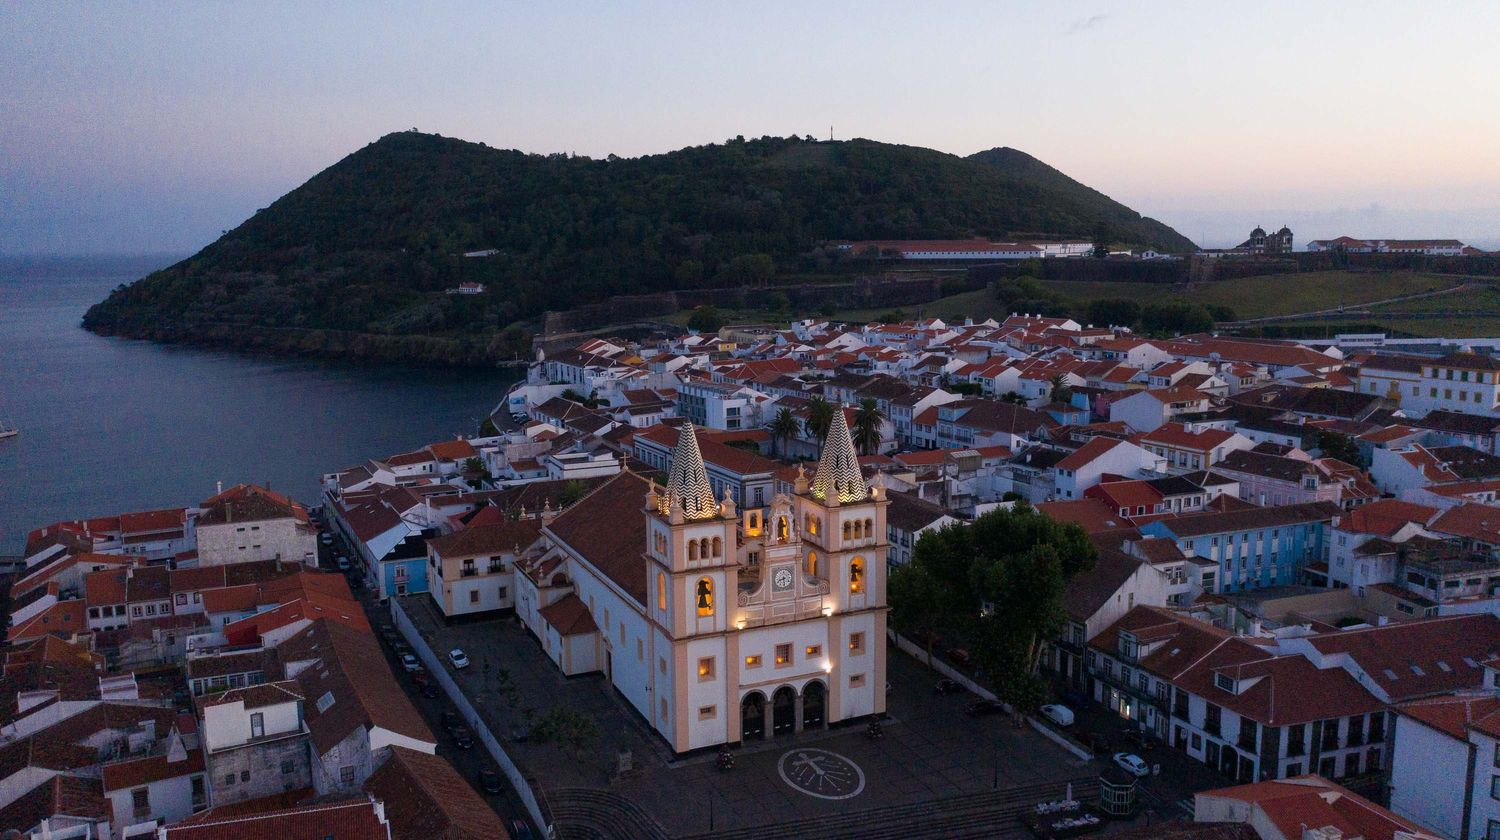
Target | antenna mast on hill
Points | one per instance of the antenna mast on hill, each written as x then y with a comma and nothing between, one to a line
830,133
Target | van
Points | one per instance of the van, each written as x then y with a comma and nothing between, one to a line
1058,714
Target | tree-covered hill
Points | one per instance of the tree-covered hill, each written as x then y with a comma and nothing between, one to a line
367,246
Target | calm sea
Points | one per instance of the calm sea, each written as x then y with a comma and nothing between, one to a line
111,425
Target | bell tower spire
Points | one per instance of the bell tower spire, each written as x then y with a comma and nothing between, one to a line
838,479
687,483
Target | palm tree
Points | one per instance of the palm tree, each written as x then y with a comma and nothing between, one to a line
1061,391
819,418
867,420
784,428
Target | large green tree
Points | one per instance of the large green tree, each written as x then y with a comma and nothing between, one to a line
819,417
783,428
868,419
998,581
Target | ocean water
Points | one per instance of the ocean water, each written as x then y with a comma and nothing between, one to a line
111,425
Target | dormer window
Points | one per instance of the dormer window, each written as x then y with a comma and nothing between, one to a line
1225,682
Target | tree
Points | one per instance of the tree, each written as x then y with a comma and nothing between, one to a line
916,599
1175,317
571,492
1340,446
1220,312
784,428
706,319
477,473
488,427
819,418
1117,312
1000,582
891,316
867,422
750,270
828,309
1061,391
1012,397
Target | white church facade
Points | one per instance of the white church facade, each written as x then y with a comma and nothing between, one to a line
719,625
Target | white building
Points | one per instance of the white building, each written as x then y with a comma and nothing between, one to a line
719,628
248,523
1460,382
1443,767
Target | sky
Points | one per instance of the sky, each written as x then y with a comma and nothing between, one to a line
149,127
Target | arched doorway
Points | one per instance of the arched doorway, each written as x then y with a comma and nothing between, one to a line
783,711
753,717
814,705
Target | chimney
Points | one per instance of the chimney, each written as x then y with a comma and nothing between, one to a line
218,487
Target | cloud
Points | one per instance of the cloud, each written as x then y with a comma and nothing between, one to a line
1083,24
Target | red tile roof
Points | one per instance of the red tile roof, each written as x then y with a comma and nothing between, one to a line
426,799
139,771
355,819
1453,715
608,529
1302,802
1087,453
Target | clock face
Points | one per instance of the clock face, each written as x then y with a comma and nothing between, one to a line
782,579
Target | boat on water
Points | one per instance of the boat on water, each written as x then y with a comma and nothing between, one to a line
7,429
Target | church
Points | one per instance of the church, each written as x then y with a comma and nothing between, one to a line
720,625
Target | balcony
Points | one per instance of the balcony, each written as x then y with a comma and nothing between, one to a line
468,571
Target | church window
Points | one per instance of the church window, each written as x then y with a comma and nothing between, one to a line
848,530
857,575
812,563
692,550
783,654
856,643
718,547
856,680
752,661
706,712
705,669
664,710
869,529
661,662
661,590
705,596
814,651
783,529
703,548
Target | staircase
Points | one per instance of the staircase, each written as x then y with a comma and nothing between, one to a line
587,814
977,815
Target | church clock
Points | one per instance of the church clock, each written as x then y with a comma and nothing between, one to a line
781,579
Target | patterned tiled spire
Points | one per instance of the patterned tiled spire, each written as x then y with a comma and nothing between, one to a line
838,468
687,484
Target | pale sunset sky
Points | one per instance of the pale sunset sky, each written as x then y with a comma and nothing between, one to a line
147,127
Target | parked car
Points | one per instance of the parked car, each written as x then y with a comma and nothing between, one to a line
947,686
1058,714
343,563
409,662
959,656
325,538
425,684
462,738
985,708
1141,739
451,720
1098,743
521,830
489,781
458,658
1132,763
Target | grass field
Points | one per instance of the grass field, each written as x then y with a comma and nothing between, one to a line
1250,297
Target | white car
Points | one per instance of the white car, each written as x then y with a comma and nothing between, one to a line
1132,763
1058,714
325,538
343,564
409,662
458,658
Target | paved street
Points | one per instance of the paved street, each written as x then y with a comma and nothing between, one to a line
930,750
466,762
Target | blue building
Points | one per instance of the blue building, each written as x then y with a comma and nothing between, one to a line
1251,548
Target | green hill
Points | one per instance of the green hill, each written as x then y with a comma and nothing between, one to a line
361,253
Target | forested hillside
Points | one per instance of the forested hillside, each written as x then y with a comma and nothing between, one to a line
368,245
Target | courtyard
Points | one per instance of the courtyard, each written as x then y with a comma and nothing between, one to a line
931,759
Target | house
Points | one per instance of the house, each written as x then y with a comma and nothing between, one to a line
255,740
1148,410
1364,544
1457,382
1307,807
970,423
747,476
155,783
473,570
1089,464
906,520
1095,600
1252,547
248,523
1443,763
1268,479
358,818
1190,447
1402,471
355,713
426,799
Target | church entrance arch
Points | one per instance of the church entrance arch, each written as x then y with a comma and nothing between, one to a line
814,705
784,711
753,717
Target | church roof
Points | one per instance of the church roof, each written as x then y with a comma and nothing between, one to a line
687,483
838,468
